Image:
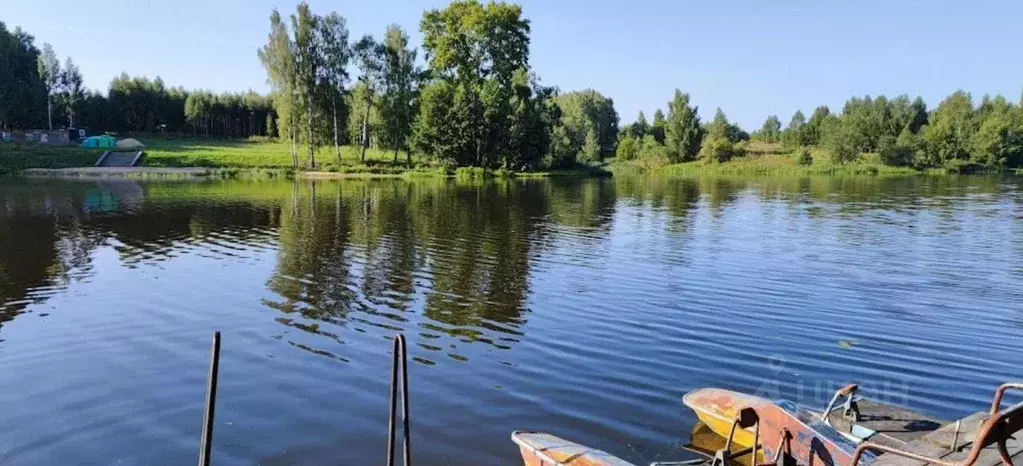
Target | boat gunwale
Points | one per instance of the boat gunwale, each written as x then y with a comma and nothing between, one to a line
545,458
701,409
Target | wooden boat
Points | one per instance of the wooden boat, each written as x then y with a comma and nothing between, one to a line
540,449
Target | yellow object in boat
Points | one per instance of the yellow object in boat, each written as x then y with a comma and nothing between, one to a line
706,442
718,408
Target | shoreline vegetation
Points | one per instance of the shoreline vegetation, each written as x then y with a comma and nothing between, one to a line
467,102
261,158
872,135
177,158
776,159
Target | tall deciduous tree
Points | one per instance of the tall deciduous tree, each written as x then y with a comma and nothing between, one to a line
401,83
657,128
335,53
998,141
683,133
22,92
278,58
369,56
586,111
305,26
477,49
533,117
591,147
813,127
904,113
49,71
947,136
840,140
71,90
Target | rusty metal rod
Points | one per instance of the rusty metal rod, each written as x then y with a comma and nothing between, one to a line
783,446
206,443
997,402
756,444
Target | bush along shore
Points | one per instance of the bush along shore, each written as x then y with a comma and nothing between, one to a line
758,159
870,136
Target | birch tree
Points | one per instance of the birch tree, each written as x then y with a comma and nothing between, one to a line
49,71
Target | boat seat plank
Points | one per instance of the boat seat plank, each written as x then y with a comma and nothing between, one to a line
897,425
917,447
989,456
938,445
968,427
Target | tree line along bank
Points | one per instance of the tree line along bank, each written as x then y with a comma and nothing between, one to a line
477,102
956,135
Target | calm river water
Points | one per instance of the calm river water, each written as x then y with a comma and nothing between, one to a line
582,308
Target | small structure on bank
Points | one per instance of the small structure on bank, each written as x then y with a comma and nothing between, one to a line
123,153
33,137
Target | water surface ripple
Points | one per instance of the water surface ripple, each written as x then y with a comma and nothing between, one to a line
583,308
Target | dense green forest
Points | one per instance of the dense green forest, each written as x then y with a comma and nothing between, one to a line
469,97
40,92
957,135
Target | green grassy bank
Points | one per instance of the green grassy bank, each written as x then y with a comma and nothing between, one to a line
773,159
254,158
268,159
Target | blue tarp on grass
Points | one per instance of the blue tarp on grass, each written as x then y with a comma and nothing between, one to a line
101,142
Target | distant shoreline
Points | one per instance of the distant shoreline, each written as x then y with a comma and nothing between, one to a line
175,173
181,158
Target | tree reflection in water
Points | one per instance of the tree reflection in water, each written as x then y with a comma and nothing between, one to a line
441,258
436,257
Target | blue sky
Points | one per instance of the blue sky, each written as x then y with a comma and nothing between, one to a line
751,58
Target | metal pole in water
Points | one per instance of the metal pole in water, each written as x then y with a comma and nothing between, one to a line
400,358
394,405
407,449
211,401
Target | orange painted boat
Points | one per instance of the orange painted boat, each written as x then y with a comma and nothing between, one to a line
540,449
782,426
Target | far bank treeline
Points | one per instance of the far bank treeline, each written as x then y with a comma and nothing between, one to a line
957,135
37,91
476,102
